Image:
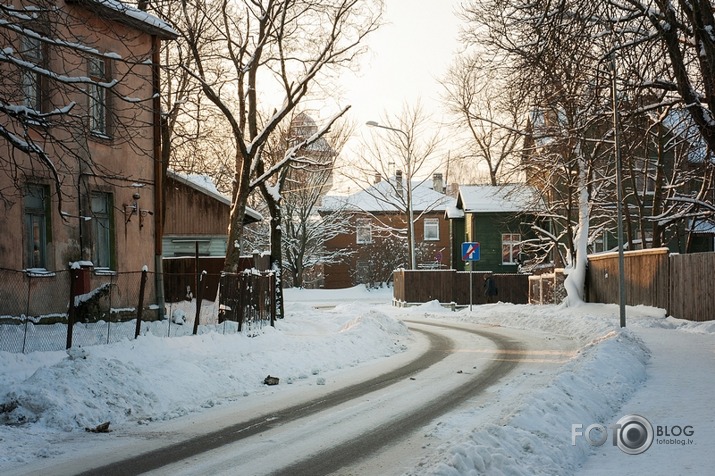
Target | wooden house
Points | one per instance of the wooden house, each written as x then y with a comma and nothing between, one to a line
375,241
499,218
197,215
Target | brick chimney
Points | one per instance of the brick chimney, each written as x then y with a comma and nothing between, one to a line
378,177
438,183
398,182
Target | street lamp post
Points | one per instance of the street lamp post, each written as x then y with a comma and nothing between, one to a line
619,195
410,211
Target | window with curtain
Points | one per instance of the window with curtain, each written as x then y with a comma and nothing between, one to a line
363,231
101,204
36,216
431,229
98,109
31,78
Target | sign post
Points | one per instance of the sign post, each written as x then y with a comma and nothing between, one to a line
470,253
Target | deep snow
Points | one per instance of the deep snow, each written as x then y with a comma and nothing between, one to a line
658,367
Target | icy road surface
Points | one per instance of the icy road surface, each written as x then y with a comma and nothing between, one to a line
366,420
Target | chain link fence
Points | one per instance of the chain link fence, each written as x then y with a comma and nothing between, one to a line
43,311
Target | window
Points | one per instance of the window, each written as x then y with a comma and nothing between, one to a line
599,243
101,204
36,201
31,79
646,173
364,231
510,248
98,96
431,229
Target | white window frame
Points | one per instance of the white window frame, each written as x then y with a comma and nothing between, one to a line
511,247
31,79
431,229
363,231
101,205
98,109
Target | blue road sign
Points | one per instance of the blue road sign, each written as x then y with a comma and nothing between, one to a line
470,251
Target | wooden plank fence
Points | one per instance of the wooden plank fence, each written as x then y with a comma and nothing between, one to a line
451,286
683,285
646,274
692,286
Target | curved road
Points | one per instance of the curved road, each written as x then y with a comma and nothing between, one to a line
339,429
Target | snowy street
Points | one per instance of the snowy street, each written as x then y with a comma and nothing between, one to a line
554,367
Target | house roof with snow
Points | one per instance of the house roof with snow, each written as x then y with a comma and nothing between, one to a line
205,185
681,124
387,196
495,199
129,15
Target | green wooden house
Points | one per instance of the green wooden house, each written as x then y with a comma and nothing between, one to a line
499,218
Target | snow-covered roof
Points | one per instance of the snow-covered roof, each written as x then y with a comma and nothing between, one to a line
681,123
205,185
453,212
383,197
500,198
130,15
702,226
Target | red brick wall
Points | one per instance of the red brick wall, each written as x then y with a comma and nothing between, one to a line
342,275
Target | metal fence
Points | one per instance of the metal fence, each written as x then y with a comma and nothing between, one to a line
70,308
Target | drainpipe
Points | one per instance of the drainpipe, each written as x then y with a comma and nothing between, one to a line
158,177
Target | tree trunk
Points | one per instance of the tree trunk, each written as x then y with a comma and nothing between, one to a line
276,245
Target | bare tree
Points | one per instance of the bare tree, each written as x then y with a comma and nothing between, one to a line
559,55
304,184
406,151
493,118
247,55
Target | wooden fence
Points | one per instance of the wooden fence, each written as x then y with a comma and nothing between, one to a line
451,286
646,273
248,297
692,286
683,285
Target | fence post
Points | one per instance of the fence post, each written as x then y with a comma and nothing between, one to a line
199,298
74,275
241,301
27,312
272,291
140,306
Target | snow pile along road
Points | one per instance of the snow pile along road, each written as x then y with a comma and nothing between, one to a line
45,394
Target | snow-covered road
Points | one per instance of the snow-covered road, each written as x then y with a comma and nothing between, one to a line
580,368
375,431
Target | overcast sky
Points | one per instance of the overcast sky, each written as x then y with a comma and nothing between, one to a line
408,55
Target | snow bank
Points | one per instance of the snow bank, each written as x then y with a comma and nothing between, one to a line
533,437
154,378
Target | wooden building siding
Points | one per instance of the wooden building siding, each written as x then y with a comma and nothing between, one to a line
190,212
487,229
